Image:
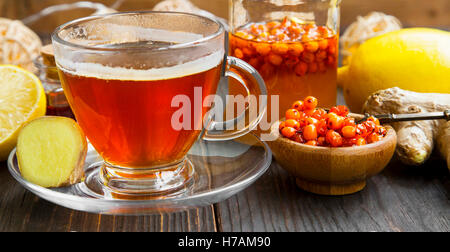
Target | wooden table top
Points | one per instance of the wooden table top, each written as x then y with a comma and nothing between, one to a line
399,199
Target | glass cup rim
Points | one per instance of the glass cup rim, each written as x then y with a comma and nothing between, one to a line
56,37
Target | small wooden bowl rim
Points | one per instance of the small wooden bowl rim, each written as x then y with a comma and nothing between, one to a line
390,136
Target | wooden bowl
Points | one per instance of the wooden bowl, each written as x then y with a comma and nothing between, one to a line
332,171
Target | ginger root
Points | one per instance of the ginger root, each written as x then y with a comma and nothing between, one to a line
51,152
415,140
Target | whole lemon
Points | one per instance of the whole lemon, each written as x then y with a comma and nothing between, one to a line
416,59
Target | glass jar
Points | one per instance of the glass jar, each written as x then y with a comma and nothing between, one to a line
57,104
292,43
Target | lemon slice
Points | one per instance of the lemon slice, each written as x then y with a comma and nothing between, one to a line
22,99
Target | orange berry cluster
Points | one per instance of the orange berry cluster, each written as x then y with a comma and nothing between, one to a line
302,48
307,124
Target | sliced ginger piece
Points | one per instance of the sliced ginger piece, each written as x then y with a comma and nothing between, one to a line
51,152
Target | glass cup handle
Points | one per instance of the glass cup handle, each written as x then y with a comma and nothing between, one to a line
252,81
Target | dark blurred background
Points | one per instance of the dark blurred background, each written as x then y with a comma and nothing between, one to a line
428,13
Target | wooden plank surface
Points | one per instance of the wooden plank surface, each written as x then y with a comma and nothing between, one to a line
400,199
21,210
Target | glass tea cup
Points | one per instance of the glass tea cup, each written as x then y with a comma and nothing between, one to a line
138,82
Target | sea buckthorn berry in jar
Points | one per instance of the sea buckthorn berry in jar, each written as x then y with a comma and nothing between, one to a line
313,67
322,67
321,56
291,63
263,49
273,24
308,57
296,49
255,62
280,48
275,59
238,53
267,69
323,44
331,61
312,46
301,68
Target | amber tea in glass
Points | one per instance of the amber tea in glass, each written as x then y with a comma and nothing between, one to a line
121,73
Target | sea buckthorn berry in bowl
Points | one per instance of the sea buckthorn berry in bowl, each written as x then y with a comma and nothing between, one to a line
310,132
293,124
348,131
319,114
374,119
298,105
288,132
293,114
310,102
335,124
349,121
282,125
312,120
333,138
332,155
312,143
298,137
